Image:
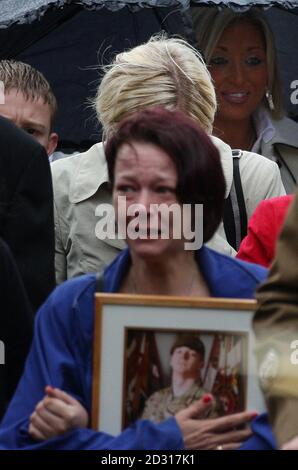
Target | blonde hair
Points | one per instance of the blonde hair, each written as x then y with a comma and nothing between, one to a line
209,24
29,81
165,72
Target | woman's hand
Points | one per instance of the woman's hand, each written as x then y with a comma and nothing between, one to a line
206,434
56,414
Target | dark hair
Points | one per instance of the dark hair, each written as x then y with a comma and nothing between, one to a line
197,161
191,342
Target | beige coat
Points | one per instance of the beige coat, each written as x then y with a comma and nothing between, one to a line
81,185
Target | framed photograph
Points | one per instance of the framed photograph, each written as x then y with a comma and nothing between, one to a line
155,355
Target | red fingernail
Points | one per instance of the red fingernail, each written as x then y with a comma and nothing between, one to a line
207,398
254,415
49,389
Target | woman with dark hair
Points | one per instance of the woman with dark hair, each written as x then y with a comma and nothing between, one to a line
264,228
156,158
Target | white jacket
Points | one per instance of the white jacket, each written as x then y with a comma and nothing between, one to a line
283,148
80,185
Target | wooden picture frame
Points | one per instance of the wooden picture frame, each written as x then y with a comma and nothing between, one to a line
123,320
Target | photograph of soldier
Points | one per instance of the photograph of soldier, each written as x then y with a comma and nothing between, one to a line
166,372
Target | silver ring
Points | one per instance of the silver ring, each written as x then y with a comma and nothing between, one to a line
219,447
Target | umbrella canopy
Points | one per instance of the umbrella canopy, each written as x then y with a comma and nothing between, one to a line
67,45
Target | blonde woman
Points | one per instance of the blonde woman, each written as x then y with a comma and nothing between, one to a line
240,51
186,170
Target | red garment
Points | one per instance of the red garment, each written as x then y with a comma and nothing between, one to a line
263,230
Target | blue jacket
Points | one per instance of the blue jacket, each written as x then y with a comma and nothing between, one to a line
262,438
61,356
